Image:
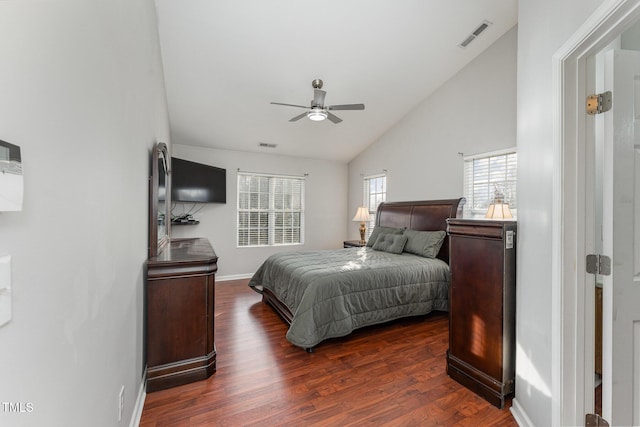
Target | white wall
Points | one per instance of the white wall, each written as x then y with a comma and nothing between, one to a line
630,39
543,27
325,205
473,112
83,95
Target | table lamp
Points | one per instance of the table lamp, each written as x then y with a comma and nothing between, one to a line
498,209
363,216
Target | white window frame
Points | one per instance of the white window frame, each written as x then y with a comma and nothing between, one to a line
476,206
366,199
271,211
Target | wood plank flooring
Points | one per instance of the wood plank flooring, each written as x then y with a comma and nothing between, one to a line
386,375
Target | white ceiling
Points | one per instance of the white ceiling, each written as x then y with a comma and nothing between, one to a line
226,60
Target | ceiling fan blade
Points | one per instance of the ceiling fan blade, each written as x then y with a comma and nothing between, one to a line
335,119
289,105
318,98
346,107
298,117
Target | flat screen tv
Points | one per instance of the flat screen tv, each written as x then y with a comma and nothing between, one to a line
198,183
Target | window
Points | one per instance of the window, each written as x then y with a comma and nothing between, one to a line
486,173
270,210
375,192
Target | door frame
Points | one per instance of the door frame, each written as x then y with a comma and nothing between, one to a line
572,366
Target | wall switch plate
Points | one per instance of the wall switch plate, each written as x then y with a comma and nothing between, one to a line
5,289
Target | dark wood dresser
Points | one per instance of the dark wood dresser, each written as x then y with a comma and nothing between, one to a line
482,300
179,314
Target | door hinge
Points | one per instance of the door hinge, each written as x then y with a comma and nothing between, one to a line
599,103
598,264
595,420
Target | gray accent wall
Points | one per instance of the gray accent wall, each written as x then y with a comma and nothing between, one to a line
325,205
543,27
473,112
83,96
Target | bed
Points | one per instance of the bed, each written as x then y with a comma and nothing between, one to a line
330,293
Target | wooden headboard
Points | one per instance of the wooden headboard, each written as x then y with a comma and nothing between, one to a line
427,215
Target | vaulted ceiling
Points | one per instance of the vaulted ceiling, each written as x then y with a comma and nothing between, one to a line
226,60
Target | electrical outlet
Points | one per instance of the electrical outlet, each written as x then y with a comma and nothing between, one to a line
120,403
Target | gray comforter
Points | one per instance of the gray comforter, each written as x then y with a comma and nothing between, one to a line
333,292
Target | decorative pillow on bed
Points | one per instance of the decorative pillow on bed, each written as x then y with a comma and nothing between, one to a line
424,243
379,230
392,243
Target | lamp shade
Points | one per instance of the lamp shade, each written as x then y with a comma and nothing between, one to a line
499,211
362,215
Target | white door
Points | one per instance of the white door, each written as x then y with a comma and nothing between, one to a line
621,240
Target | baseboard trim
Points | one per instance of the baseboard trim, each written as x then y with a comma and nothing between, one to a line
234,277
142,395
519,414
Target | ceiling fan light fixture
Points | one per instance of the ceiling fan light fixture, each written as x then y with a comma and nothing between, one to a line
317,115
318,111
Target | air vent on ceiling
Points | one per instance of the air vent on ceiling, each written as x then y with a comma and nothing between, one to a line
475,33
267,145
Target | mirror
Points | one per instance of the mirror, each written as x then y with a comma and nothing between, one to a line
159,200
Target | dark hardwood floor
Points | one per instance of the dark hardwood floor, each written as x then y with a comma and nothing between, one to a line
391,374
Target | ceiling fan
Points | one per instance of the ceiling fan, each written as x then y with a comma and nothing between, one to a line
318,111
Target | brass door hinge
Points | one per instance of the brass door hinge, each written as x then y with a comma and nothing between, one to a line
599,103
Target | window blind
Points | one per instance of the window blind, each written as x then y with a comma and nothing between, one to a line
270,210
486,173
375,192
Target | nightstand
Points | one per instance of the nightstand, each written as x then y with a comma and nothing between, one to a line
482,301
353,244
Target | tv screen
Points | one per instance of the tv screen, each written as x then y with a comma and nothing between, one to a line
195,182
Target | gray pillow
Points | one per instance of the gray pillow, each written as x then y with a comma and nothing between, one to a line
379,230
392,243
424,243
